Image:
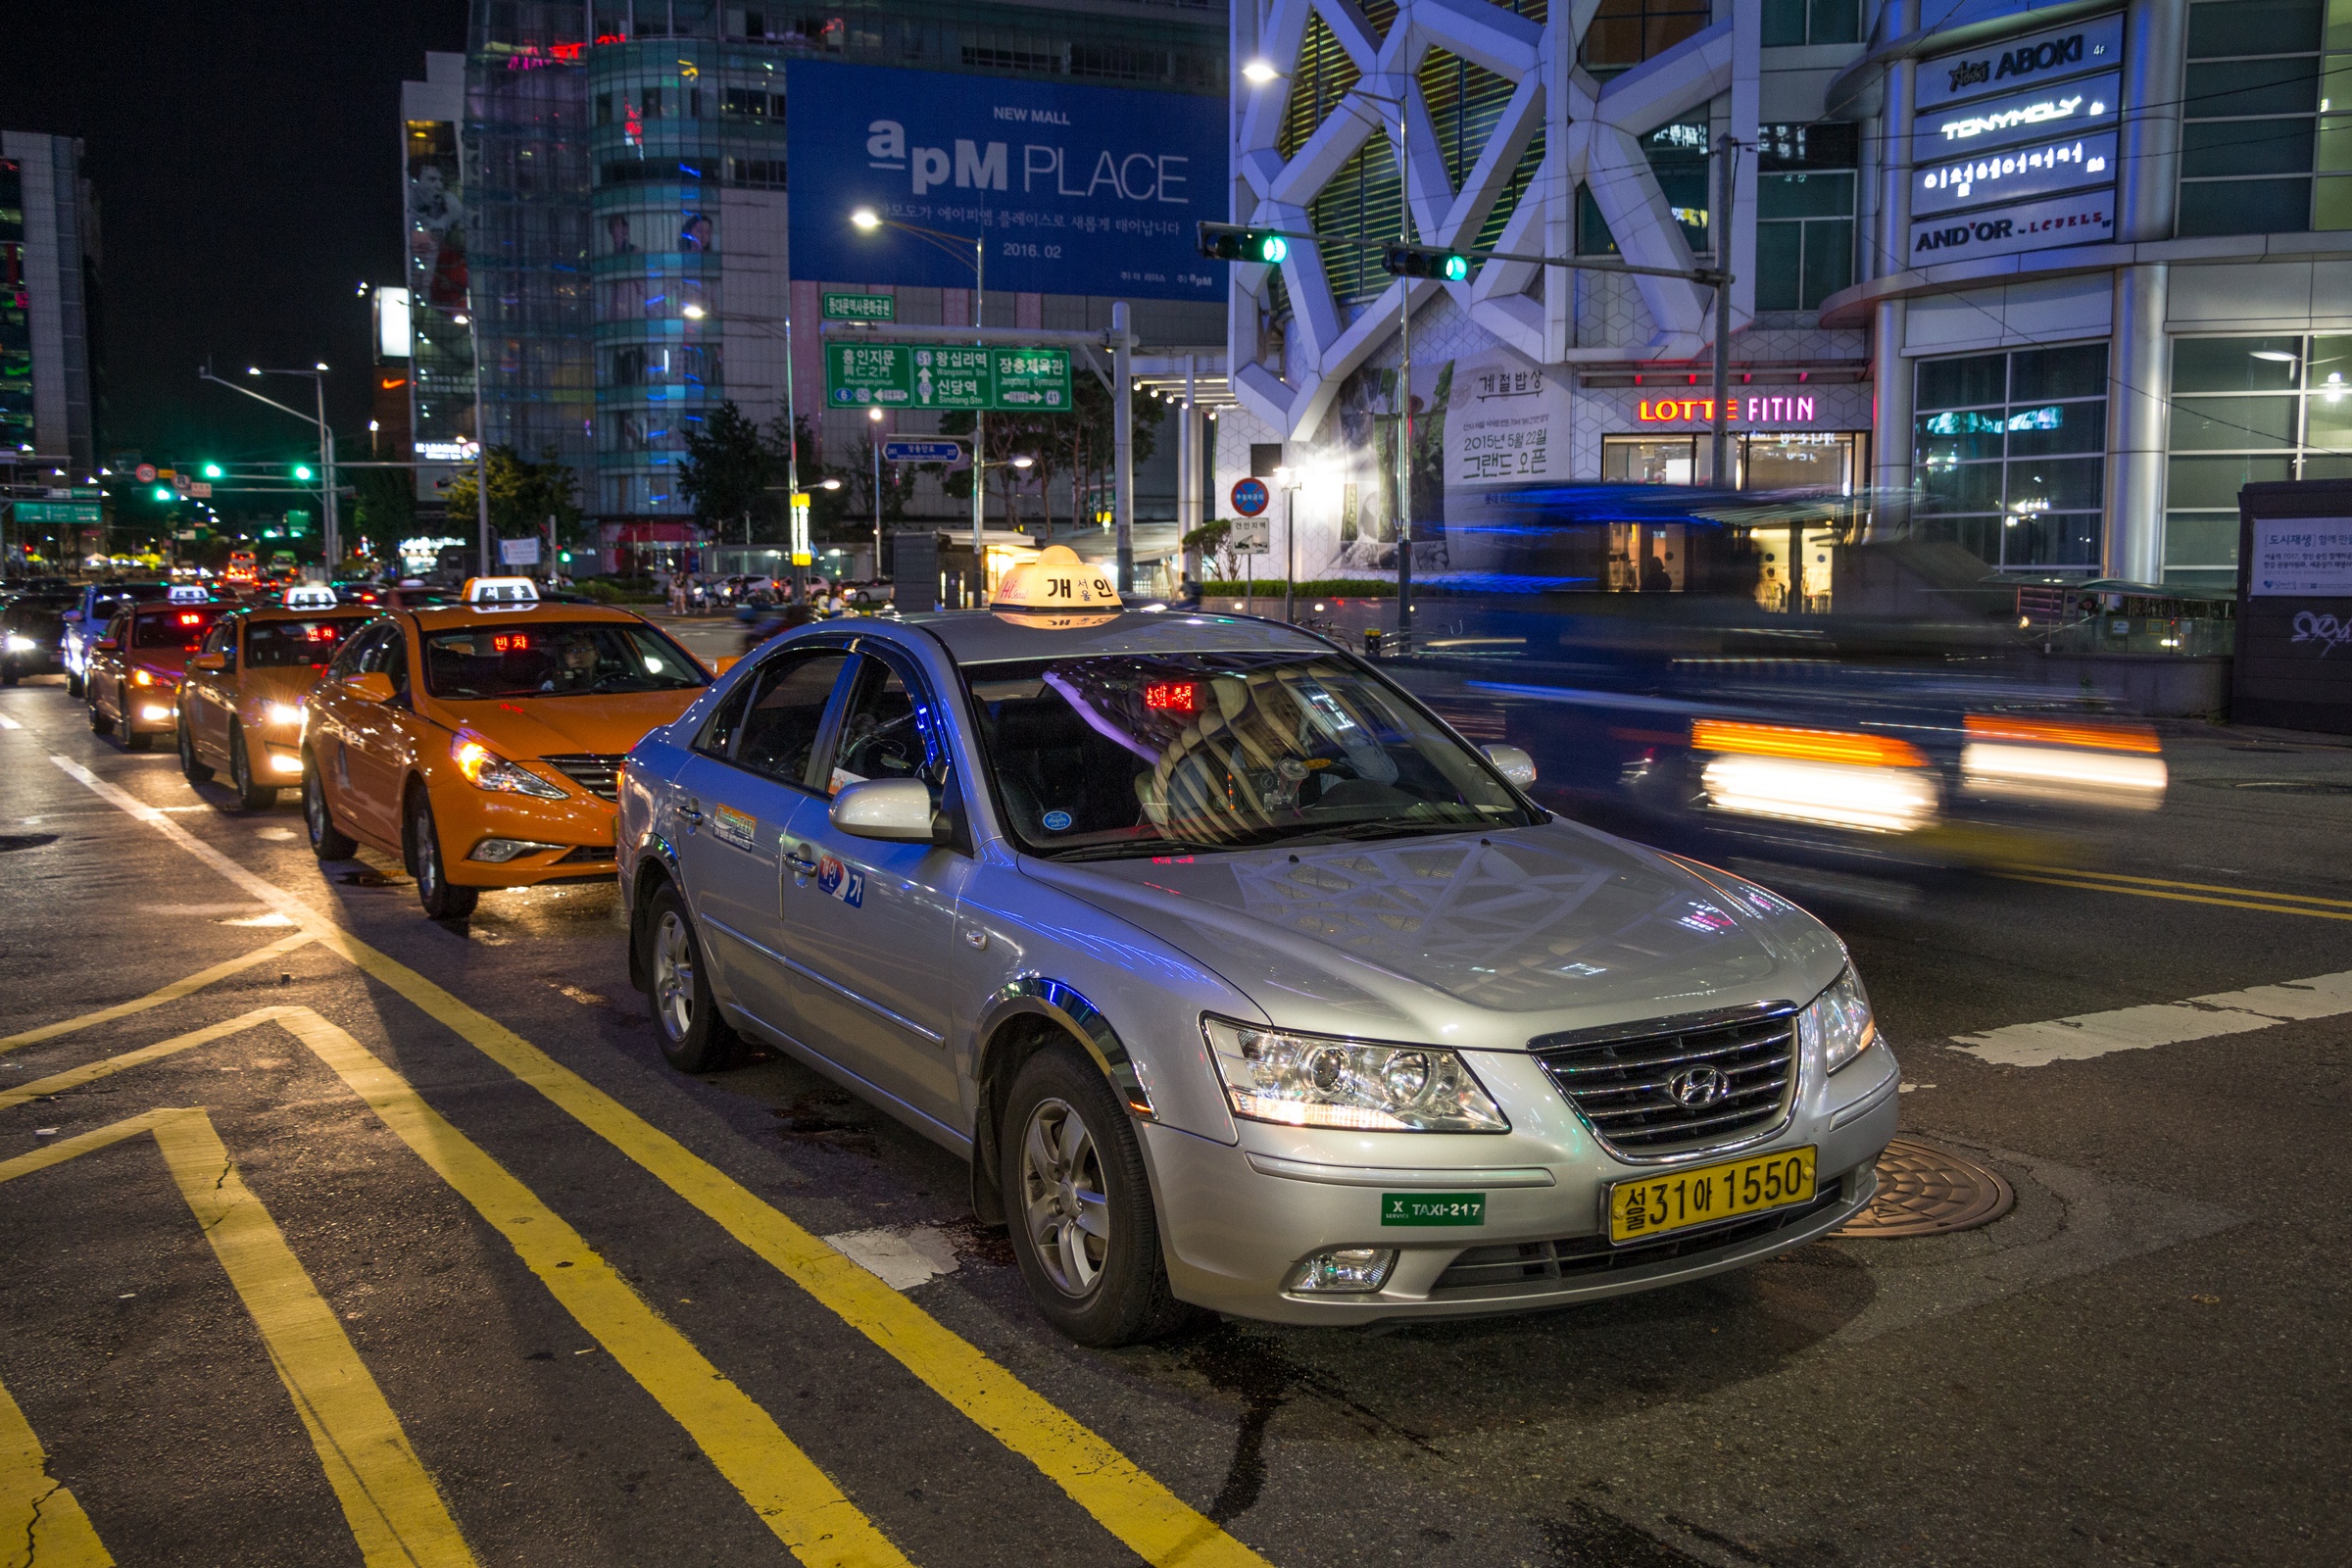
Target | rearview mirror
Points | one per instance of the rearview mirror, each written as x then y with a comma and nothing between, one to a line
897,809
209,663
1513,764
372,686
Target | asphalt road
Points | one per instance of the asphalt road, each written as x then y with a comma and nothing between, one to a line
398,1243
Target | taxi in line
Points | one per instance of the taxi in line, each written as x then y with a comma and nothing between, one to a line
131,677
241,707
1242,981
481,742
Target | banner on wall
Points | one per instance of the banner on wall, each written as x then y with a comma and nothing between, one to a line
1506,424
1072,190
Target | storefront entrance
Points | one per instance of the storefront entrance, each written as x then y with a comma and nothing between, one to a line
1768,459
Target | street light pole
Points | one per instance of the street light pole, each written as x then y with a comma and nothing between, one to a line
873,442
330,535
979,435
1719,441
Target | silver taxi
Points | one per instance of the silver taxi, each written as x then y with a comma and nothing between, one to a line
1241,980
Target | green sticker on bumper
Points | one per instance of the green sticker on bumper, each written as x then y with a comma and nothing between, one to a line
1433,1208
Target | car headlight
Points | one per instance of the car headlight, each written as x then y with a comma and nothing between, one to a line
1317,1081
18,643
485,769
1838,1023
289,713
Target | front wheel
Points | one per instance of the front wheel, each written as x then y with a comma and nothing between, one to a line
250,797
441,900
73,684
327,840
196,771
694,1037
100,724
1083,1226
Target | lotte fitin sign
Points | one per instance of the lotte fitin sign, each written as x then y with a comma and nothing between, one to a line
1746,411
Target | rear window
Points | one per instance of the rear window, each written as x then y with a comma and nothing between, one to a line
294,643
556,658
184,626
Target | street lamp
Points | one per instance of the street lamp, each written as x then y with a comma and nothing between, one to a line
331,535
869,222
874,443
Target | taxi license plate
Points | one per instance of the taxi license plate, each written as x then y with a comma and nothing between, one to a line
1708,1194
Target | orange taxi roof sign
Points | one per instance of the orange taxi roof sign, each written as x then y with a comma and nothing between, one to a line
1056,581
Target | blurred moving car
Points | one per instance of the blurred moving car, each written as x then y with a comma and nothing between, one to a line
86,622
131,683
1242,981
241,707
482,742
31,631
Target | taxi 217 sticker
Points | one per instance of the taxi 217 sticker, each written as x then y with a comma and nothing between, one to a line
1433,1208
837,881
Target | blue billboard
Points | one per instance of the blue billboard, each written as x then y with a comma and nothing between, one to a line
1075,190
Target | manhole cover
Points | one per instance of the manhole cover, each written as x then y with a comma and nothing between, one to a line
1924,1191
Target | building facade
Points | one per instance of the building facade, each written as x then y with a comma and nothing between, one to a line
49,403
625,171
2044,281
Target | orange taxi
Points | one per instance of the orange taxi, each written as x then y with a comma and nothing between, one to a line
482,742
240,707
131,677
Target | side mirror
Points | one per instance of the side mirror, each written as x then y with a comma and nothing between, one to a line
106,645
209,663
1513,764
372,686
897,809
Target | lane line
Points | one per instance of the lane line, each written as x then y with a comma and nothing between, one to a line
7,722
41,1513
2194,887
2178,898
2086,1035
156,999
1129,1501
395,1511
89,1072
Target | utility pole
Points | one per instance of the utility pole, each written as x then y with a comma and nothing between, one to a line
481,449
1122,436
1719,223
979,588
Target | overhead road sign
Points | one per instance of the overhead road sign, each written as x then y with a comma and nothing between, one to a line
988,378
907,451
860,308
56,512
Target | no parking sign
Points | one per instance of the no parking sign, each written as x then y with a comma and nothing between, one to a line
1249,497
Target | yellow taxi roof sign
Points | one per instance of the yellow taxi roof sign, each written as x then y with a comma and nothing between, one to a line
501,591
1056,580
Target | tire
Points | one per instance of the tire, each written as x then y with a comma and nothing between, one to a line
136,740
250,797
327,842
100,724
197,773
74,685
694,1037
1084,1230
441,900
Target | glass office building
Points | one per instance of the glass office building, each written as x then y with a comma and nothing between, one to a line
50,405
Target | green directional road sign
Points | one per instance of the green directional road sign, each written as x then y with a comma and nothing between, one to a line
860,373
1036,379
948,375
860,308
56,512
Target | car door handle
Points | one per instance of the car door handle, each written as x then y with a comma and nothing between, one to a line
691,814
804,866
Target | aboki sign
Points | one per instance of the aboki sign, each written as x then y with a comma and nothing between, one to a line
2038,58
1743,411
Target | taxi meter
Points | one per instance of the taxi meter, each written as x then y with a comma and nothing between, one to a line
1056,581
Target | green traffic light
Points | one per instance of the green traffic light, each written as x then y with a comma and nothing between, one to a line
301,471
163,492
1457,269
1273,248
212,470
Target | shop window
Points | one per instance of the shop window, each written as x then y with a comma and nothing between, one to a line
2246,411
2256,128
2009,455
1802,22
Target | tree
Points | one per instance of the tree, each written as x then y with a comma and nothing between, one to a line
1212,541
898,485
829,520
1080,443
384,510
728,467
524,494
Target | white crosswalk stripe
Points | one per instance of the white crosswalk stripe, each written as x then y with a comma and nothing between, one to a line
2098,1034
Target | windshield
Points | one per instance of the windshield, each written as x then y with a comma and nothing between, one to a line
294,643
559,658
182,628
1131,755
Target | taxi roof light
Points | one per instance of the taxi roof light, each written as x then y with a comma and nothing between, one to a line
501,591
311,596
1853,747
191,595
1056,581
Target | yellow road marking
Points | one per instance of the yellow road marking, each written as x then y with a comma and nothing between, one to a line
75,1077
36,1511
395,1511
2194,887
1127,1500
2178,897
156,999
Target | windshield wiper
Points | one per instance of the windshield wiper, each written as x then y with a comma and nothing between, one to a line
1384,829
1128,849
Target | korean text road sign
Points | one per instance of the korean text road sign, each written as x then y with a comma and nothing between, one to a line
912,451
869,372
1249,497
860,308
1031,378
947,375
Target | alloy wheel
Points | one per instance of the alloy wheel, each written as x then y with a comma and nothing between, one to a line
674,974
1064,1200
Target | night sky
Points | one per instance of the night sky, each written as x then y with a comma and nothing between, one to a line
247,164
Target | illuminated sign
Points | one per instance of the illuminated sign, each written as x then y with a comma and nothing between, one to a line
2087,218
2040,56
1172,696
445,451
1744,411
2033,171
2077,108
391,324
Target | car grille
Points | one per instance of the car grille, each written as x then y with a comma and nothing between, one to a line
589,855
1620,1080
1530,1267
598,775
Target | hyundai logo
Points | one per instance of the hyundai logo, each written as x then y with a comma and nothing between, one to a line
1696,1088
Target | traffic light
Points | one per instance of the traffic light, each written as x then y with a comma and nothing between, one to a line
1225,242
166,493
302,471
1417,261
212,470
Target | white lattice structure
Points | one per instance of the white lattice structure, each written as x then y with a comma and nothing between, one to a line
1591,137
